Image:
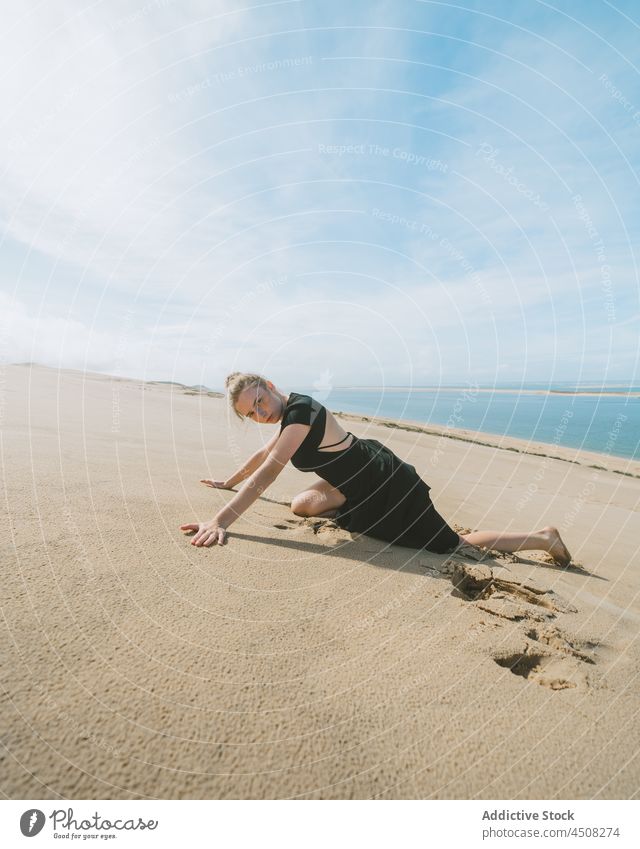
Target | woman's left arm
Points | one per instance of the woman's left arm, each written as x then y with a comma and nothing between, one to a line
214,531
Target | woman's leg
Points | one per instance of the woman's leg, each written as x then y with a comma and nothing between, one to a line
320,499
547,539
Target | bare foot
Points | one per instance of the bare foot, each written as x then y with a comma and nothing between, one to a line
557,549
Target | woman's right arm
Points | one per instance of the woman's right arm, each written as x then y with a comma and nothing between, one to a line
254,462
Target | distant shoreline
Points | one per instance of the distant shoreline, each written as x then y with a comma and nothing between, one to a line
578,456
474,390
469,388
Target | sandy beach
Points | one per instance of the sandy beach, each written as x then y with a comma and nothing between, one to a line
299,661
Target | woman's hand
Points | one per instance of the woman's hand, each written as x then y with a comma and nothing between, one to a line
207,533
216,484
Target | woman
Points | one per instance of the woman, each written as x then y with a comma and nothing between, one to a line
364,487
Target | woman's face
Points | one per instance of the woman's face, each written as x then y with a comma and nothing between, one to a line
260,404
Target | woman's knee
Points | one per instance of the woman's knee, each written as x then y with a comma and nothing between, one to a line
298,506
307,503
318,500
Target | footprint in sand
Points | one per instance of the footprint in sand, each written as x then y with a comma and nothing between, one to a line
562,643
552,671
477,582
549,657
551,660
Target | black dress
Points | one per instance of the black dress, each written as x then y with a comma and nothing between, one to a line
386,498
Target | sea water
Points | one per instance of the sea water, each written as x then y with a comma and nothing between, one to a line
608,423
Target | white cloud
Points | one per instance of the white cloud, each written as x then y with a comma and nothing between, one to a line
169,154
99,165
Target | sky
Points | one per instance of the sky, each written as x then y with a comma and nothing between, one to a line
372,193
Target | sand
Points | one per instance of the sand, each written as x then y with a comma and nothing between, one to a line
298,661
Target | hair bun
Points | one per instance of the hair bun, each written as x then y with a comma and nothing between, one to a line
230,378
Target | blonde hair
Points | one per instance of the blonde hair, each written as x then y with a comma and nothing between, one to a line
237,382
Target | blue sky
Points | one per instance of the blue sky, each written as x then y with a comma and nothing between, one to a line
374,193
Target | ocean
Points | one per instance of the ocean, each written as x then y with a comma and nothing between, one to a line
605,422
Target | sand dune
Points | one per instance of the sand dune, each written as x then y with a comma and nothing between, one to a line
299,660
